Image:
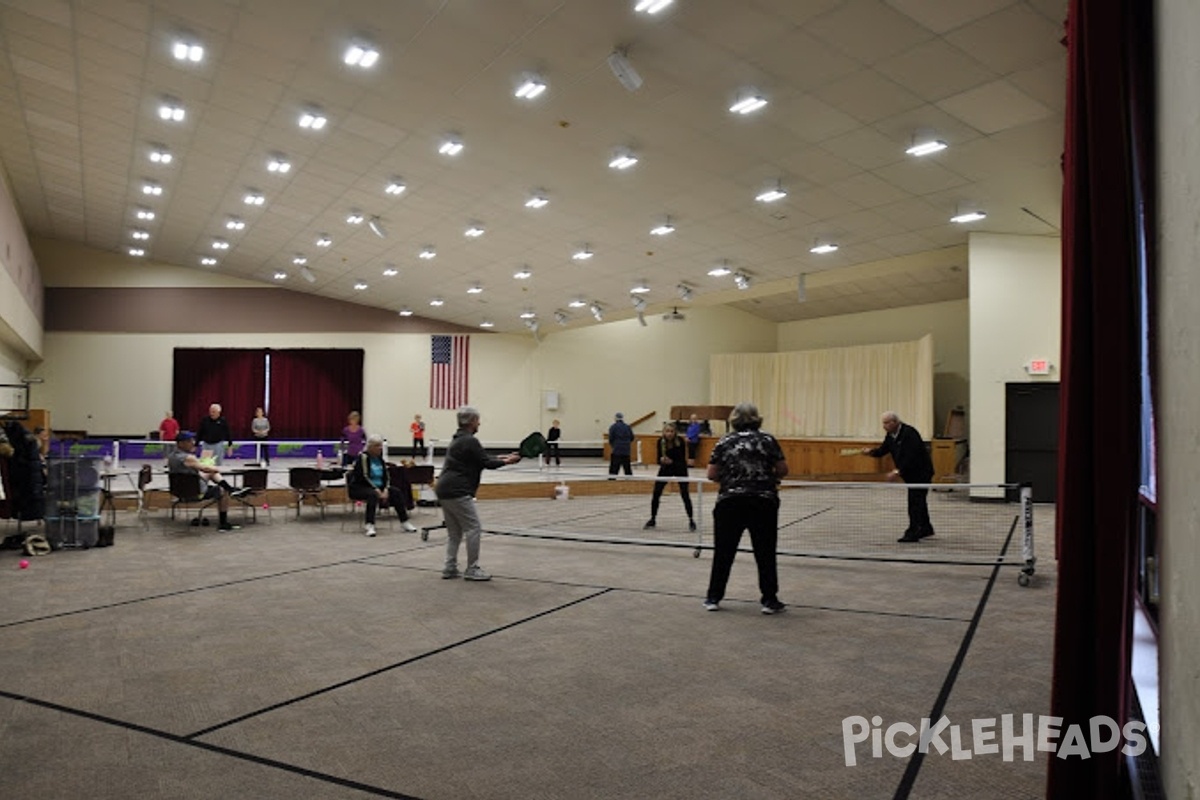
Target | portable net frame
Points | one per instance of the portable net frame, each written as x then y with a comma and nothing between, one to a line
975,524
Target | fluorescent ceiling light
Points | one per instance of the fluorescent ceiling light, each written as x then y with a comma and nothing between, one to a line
473,231
220,244
312,120
523,273
926,147
651,6
577,303
749,104
405,312
528,314
279,164
254,199
437,301
208,261
487,323
584,254
139,234
300,261
187,51
234,224
377,227
624,159
427,253
145,214
361,55
596,311
451,146
720,270
390,271
663,228
360,286
822,249
308,275
160,155
324,241
281,276
137,252
530,87
152,189
171,111
771,195
395,187
475,289
969,216
354,218
641,288
537,201
623,71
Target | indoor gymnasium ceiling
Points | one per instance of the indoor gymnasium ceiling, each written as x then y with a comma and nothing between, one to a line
849,84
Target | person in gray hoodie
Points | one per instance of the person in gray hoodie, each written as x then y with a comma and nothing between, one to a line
456,486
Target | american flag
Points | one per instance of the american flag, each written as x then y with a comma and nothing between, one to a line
448,371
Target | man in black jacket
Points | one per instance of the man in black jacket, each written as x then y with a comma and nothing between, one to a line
214,434
913,465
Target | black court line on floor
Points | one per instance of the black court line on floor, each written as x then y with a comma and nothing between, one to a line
807,517
688,596
212,748
390,667
195,589
192,740
913,768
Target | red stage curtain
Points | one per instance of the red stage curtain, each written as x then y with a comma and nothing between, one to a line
1107,165
312,391
234,378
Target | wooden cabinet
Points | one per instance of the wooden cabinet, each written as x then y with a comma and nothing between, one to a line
947,455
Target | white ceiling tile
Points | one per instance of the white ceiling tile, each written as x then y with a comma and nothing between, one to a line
994,107
943,16
867,30
1014,38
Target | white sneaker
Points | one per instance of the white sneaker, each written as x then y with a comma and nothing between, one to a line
369,530
476,573
408,526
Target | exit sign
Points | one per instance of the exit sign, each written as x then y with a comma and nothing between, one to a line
1038,366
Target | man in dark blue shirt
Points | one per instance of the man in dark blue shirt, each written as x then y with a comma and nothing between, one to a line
913,465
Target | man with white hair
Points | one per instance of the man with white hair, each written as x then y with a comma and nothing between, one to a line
913,465
456,486
214,434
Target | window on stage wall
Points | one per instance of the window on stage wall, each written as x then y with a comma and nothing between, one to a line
305,393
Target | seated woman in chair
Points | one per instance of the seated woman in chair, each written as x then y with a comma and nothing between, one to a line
184,461
368,482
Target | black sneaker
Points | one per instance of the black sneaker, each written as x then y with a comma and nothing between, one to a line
239,493
691,525
924,533
227,527
774,607
649,524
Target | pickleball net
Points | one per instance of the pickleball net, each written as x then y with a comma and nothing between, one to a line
974,524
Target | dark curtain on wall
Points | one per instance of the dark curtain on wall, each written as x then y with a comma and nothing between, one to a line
233,378
312,391
1107,165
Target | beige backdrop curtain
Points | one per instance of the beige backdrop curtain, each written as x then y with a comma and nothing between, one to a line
833,393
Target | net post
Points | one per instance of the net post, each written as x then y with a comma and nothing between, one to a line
1027,555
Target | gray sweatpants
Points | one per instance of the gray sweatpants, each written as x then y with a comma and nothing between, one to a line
462,522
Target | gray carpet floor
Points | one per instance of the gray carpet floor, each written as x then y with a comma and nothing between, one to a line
300,659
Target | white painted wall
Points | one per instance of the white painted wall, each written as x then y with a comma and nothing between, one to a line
1015,314
947,322
121,383
1179,387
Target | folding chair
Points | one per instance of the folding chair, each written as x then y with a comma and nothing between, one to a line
306,483
255,480
144,477
189,491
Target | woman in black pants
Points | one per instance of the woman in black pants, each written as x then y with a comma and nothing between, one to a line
748,464
368,482
672,461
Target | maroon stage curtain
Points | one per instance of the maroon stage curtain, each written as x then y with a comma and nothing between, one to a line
234,378
1107,165
312,391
